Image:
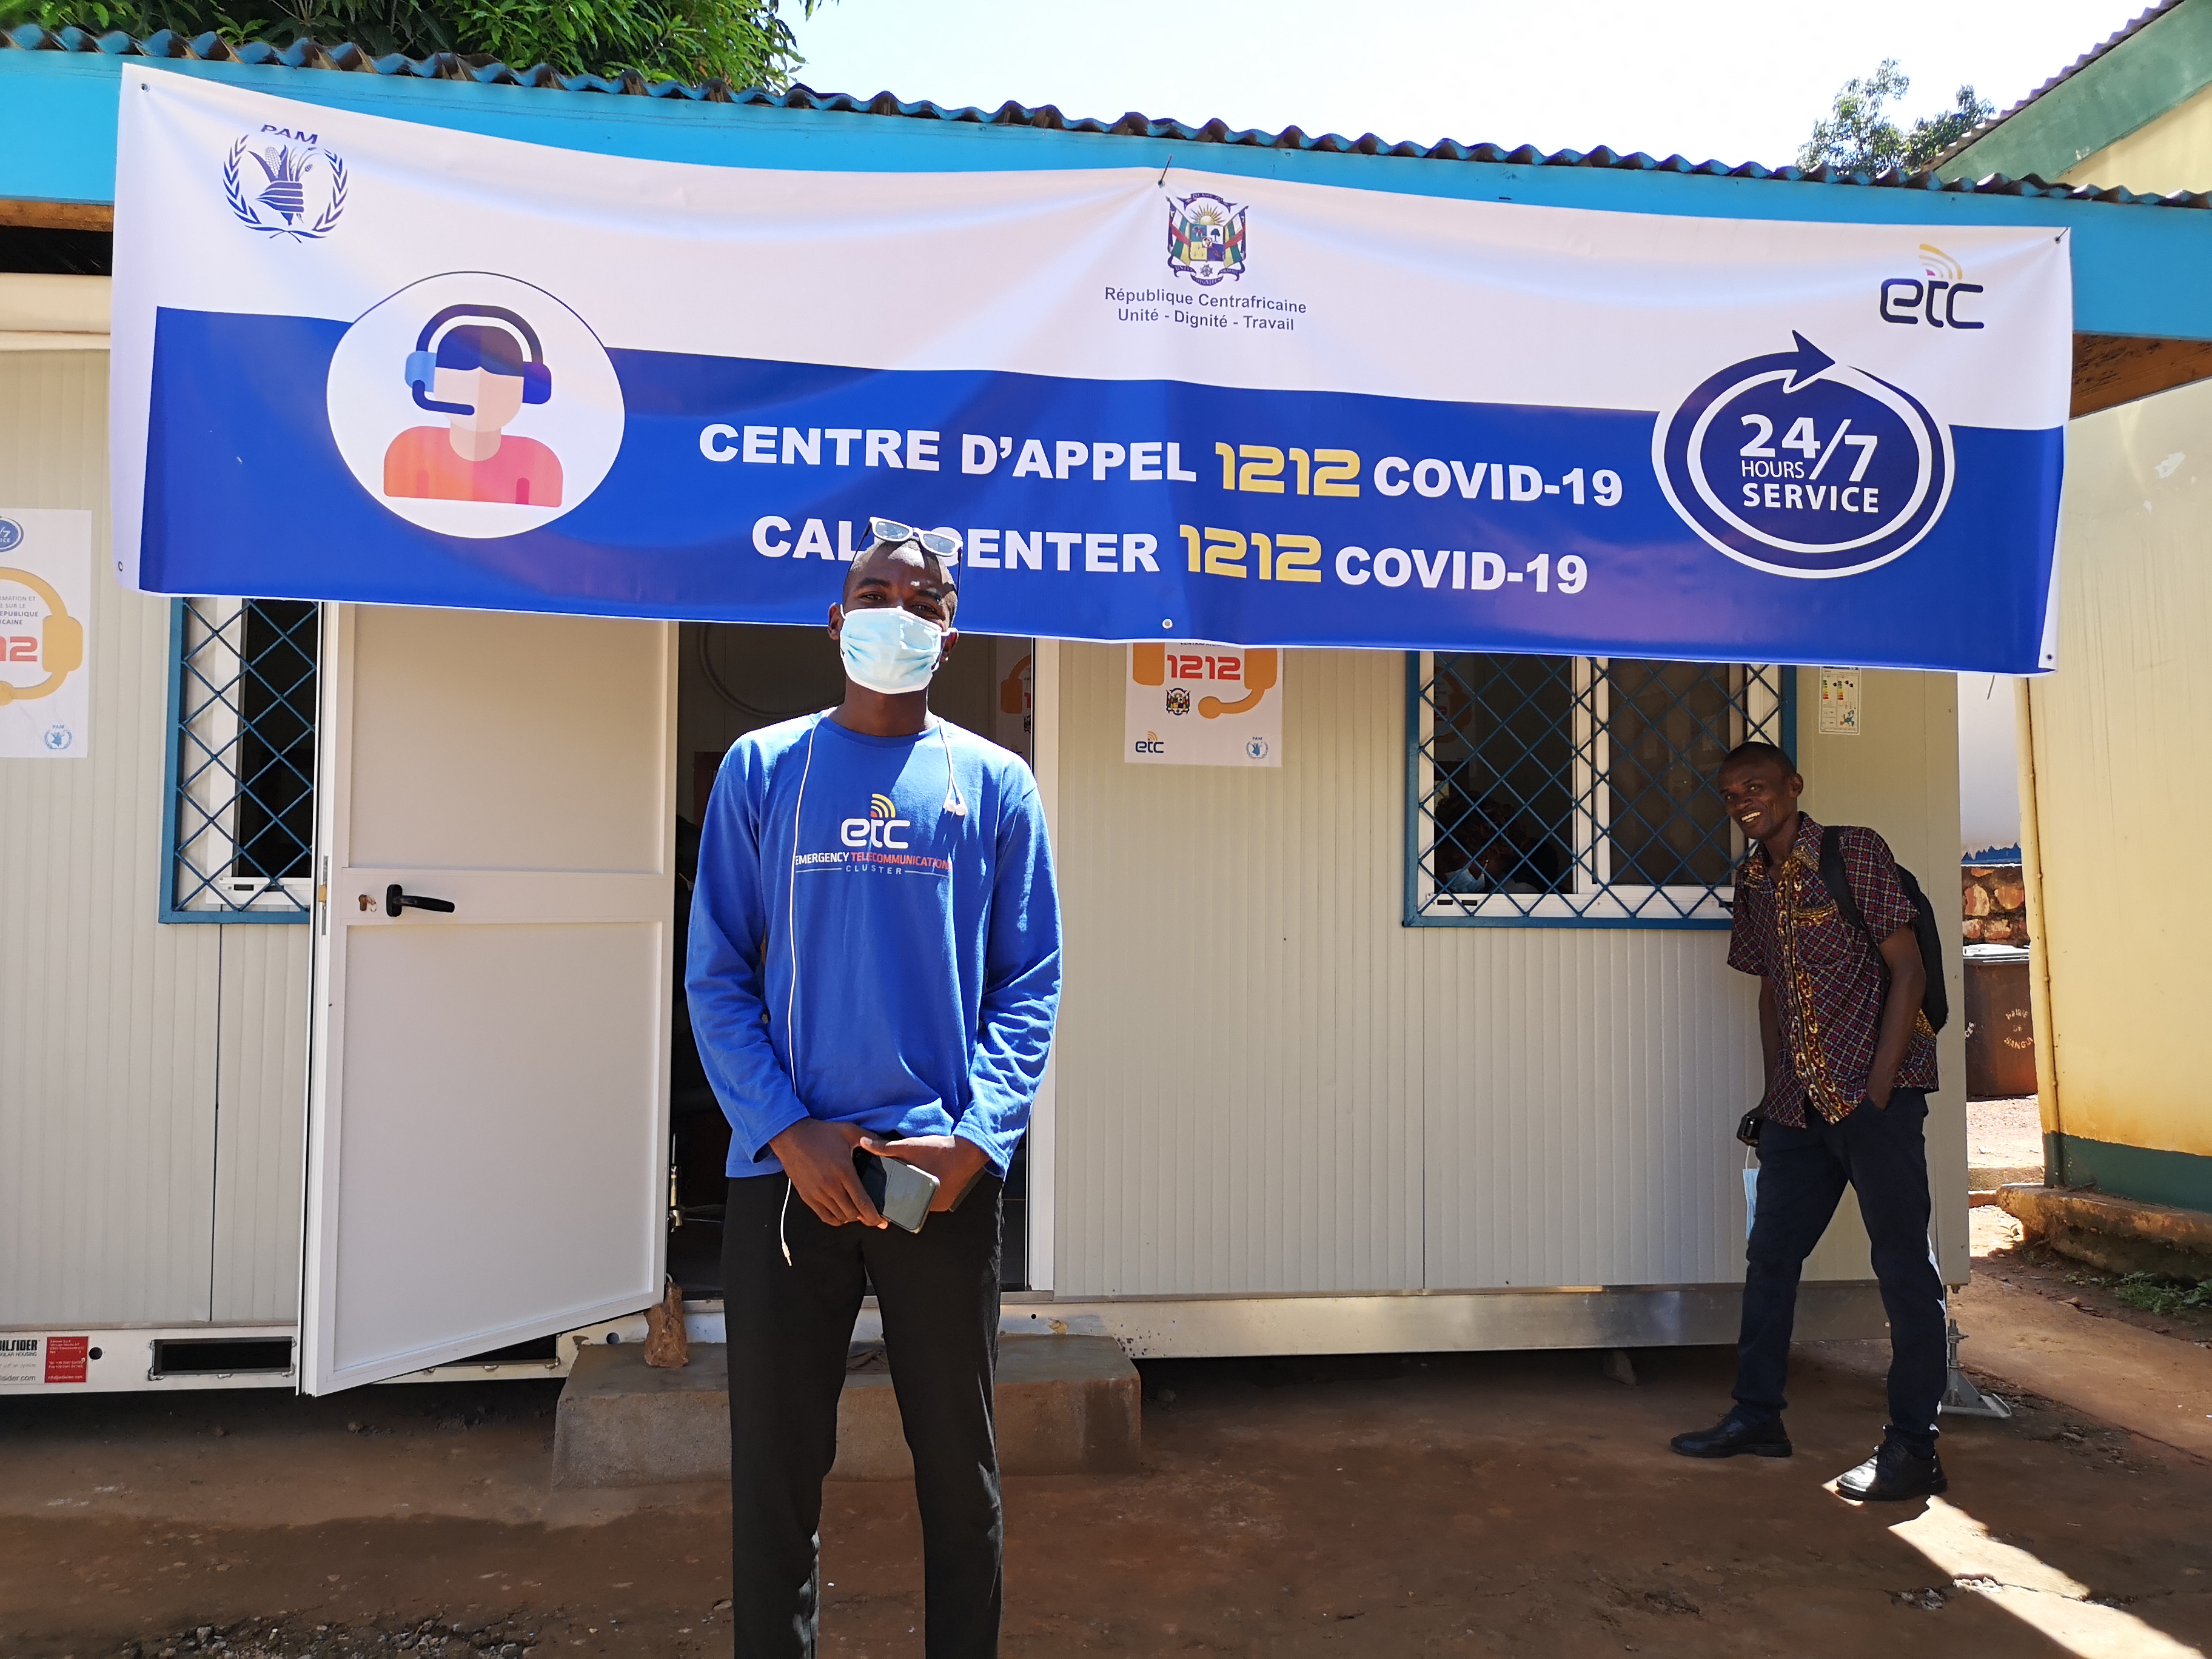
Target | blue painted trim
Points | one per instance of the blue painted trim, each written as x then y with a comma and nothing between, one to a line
169,911
2137,269
1415,916
1678,924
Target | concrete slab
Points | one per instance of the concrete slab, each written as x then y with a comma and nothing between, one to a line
2159,1387
1065,1405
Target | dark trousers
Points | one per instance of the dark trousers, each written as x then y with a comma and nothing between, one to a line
789,1329
1883,1155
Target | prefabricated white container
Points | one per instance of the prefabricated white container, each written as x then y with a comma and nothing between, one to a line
1279,1119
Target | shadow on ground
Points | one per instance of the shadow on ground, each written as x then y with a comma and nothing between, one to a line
1465,1503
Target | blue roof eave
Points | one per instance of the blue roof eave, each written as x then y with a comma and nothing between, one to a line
2135,273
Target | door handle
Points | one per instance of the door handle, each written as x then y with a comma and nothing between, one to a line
395,900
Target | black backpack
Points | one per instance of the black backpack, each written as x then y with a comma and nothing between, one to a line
1935,1002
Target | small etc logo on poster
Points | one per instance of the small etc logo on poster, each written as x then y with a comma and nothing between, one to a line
1204,705
283,182
46,594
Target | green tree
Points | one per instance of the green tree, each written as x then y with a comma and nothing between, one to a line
744,42
1857,136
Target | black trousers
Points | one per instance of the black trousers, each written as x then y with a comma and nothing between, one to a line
1883,1156
789,1330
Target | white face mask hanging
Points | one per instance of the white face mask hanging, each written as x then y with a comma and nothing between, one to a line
1750,1189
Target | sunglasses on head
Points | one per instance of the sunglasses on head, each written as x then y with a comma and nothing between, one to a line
946,544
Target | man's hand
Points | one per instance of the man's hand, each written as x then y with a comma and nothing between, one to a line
818,1159
1908,984
955,1162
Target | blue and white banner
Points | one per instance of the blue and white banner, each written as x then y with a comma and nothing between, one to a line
356,358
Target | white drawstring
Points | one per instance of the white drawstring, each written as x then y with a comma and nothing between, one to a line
791,996
955,802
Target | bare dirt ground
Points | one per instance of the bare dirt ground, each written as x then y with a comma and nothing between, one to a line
2001,1255
1508,1503
2004,1142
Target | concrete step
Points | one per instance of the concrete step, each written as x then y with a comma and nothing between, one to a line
1065,1404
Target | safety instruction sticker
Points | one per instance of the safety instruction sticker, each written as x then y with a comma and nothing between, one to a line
1839,702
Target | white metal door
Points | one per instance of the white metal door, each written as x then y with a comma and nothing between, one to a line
489,1100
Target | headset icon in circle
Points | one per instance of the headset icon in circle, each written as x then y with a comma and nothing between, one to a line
478,365
422,362
61,640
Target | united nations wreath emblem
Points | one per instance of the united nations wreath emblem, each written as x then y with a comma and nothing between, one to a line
1206,238
289,185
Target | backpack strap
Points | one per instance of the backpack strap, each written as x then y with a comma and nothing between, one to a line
1837,881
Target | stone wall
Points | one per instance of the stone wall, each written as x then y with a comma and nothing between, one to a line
1996,904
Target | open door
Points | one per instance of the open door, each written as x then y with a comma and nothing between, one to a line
488,1101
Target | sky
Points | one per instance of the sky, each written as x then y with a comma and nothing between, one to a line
1732,80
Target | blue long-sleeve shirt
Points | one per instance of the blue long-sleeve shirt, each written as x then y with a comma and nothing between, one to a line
908,953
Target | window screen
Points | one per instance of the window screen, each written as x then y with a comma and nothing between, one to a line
1579,789
241,796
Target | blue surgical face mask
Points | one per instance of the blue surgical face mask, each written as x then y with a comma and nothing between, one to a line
891,651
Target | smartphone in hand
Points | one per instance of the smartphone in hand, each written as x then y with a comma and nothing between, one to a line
901,1192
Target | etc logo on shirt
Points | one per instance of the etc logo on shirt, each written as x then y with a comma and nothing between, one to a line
879,828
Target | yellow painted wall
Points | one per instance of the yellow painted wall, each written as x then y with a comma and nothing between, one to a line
2112,734
2118,746
2172,153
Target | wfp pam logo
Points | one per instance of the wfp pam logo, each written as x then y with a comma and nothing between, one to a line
1206,238
1799,466
282,183
879,828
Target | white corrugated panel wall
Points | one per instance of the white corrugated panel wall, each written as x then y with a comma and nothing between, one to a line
143,1068
1268,1084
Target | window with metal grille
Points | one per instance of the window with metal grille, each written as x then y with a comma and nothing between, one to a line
1578,791
240,826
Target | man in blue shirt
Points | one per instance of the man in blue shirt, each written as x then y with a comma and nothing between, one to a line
874,965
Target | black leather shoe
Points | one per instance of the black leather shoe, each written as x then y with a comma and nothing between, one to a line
1731,1436
1894,1473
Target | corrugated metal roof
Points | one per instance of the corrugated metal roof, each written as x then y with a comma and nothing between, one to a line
485,71
2137,27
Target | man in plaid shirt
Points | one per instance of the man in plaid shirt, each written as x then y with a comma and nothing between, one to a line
1850,1059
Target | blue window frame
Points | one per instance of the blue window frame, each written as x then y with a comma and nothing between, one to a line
1577,791
238,825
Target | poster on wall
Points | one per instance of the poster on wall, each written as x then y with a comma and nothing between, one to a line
1839,702
1156,404
1203,705
45,596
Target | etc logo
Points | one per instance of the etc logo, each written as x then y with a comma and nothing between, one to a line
878,829
1912,300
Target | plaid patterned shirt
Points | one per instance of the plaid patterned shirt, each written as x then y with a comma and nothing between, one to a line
1827,979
